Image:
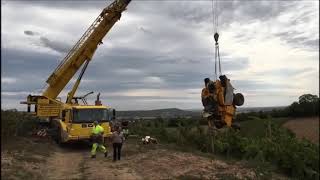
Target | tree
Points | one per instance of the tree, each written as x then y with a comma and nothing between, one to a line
308,98
295,109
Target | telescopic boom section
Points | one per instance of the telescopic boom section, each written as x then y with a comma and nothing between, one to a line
85,48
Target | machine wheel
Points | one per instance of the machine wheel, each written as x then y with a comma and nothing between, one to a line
238,99
58,137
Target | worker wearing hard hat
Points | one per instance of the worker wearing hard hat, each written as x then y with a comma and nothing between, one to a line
97,138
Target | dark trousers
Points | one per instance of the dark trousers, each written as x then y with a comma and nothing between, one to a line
116,151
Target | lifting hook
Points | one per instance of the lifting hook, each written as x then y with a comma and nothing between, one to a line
216,37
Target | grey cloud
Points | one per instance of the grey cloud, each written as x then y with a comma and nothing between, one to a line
30,68
253,85
231,64
282,72
146,31
54,45
305,17
189,12
312,43
295,39
229,11
60,47
175,75
30,33
66,4
285,34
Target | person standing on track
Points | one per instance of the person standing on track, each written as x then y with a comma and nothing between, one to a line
117,141
97,138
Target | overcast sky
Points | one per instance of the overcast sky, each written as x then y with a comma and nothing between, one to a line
159,52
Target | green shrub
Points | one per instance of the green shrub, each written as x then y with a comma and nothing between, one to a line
14,123
298,158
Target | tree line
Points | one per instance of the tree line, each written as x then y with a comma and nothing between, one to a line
306,106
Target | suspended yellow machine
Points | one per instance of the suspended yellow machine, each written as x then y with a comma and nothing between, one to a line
218,96
72,120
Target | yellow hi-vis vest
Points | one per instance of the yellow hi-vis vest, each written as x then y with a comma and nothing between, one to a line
97,129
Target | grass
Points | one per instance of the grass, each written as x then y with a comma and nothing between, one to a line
27,156
250,128
256,127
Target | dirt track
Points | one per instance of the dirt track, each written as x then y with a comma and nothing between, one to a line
305,128
138,162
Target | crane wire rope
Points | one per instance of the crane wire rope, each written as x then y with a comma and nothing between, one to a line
215,24
214,30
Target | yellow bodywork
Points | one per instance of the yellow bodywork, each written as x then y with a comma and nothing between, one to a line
80,131
227,112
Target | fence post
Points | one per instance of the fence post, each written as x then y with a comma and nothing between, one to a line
269,129
212,139
211,133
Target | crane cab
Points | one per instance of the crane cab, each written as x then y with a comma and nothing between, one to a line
76,122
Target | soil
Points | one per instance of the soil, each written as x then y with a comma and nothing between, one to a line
305,128
139,161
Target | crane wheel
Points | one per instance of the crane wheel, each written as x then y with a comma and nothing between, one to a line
57,136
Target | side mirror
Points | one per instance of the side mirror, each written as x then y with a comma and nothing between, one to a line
113,114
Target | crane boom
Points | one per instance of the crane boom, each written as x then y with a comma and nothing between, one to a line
84,49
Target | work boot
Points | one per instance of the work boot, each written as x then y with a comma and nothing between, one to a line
93,156
106,154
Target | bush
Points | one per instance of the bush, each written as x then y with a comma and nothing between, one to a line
295,157
14,123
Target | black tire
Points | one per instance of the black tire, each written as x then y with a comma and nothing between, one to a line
238,99
58,137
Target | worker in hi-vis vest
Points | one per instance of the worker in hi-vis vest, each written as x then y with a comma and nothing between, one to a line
97,138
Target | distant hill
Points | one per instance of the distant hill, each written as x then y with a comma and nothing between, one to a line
152,114
257,109
175,112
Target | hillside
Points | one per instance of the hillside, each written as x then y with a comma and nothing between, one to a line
175,112
152,114
257,109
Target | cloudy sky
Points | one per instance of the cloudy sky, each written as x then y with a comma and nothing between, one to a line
158,54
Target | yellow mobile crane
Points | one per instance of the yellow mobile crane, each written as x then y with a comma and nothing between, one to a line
71,120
